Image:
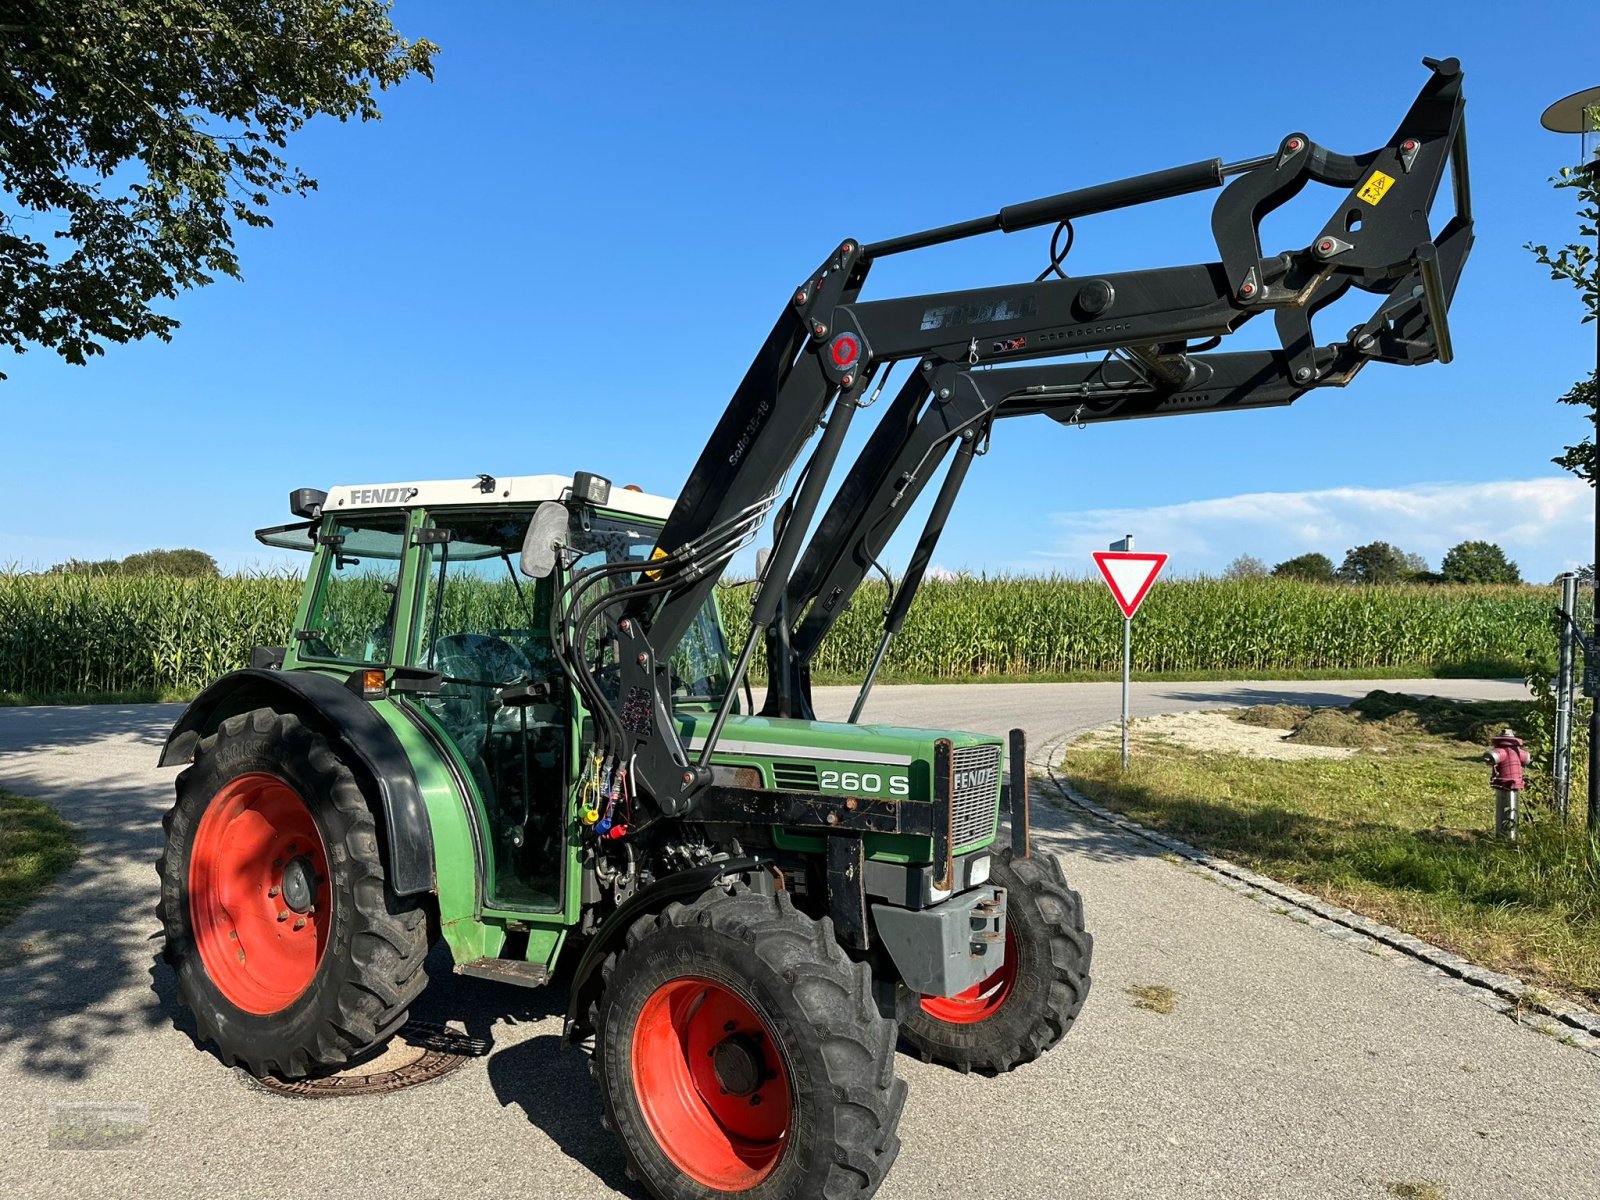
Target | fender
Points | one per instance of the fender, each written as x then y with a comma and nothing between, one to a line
350,722
585,984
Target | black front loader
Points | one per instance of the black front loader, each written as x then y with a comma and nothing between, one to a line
976,356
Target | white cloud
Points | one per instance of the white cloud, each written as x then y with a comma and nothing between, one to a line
1545,525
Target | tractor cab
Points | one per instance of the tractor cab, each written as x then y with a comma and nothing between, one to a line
423,581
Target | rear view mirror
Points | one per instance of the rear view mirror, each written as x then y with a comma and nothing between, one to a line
545,532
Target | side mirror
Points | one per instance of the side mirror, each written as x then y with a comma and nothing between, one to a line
545,531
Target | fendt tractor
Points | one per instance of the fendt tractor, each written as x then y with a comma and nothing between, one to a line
509,715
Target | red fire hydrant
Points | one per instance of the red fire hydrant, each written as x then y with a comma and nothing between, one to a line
1507,756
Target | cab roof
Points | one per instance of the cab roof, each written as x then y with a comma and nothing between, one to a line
485,490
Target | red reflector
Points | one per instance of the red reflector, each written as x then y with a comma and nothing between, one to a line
845,350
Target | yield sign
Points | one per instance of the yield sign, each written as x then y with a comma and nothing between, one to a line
1129,576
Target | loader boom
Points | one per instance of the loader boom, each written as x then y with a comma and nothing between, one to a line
974,357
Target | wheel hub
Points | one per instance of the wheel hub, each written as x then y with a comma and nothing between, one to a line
299,884
739,1064
711,1083
260,903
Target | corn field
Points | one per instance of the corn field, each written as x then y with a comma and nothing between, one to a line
114,633
88,633
1013,625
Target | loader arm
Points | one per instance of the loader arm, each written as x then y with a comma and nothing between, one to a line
974,357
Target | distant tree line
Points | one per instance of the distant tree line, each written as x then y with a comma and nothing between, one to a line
1380,562
184,564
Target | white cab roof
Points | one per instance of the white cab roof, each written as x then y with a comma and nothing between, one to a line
507,489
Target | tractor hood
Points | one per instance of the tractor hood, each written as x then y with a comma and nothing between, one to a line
831,756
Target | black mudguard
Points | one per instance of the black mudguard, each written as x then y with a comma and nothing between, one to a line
351,724
586,981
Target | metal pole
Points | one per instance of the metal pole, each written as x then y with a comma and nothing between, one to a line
1505,814
1563,738
1594,629
1127,660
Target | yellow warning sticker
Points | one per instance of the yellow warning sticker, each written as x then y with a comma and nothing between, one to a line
658,552
1373,189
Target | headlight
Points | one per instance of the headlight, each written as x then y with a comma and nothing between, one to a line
978,870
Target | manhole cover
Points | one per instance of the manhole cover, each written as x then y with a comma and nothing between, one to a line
417,1053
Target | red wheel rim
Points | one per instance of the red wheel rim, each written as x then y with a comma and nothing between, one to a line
259,902
711,1083
981,1001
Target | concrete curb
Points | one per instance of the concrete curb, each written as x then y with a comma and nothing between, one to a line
1571,1024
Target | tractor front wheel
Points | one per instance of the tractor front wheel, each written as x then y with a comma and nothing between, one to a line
289,947
1025,1006
739,1052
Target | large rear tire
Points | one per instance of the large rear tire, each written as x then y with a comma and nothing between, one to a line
739,1052
289,947
1028,1005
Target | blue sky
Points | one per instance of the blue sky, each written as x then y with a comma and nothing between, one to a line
562,254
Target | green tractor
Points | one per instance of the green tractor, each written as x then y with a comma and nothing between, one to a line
404,770
509,716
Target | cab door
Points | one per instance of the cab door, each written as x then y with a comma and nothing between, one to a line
485,630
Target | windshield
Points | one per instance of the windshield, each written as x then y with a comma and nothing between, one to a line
700,665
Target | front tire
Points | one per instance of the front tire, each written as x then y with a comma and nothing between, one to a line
1028,1005
739,1052
289,947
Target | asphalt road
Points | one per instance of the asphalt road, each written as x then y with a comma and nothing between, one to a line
1293,1065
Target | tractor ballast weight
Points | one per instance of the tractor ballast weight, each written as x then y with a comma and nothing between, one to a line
508,716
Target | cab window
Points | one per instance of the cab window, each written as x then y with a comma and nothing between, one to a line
352,615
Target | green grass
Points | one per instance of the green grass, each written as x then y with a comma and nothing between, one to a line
137,696
36,845
1403,833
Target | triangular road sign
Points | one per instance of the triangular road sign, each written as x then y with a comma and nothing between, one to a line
1129,576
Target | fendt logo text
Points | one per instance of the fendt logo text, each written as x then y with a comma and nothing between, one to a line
976,778
381,495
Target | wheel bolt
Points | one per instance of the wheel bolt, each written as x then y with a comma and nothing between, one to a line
272,891
283,914
729,1027
300,924
755,1100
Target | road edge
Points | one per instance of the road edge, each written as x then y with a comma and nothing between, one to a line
1568,1023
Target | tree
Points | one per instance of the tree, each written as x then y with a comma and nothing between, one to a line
1376,562
134,136
1416,567
1317,568
185,564
1576,263
1246,566
1478,562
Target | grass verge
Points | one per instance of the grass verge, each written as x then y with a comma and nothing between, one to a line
142,696
1401,831
36,845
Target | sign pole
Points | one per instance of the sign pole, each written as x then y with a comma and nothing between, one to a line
1127,663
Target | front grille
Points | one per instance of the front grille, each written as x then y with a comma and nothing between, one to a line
974,794
794,777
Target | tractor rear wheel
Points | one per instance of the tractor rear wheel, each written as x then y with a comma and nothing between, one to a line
289,947
739,1052
1030,1002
